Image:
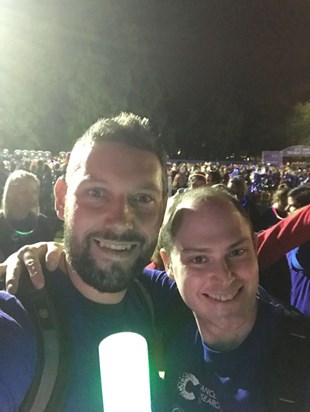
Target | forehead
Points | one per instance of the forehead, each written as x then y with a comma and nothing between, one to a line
118,161
24,184
211,222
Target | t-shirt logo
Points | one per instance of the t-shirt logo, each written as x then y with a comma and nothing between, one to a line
185,383
192,390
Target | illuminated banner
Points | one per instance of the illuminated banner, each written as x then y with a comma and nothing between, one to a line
296,151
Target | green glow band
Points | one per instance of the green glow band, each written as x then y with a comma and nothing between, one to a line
19,232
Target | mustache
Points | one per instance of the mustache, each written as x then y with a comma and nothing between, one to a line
128,236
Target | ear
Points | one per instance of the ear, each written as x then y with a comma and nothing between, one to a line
167,263
60,191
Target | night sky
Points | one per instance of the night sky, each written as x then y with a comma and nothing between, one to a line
229,71
254,54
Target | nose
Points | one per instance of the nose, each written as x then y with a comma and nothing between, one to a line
222,272
30,197
120,216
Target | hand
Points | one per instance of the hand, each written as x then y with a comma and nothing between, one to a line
29,256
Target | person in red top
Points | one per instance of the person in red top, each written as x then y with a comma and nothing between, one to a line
275,241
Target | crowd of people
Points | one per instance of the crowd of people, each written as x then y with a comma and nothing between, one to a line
26,186
188,277
257,186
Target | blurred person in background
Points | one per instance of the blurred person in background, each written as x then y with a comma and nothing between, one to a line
180,179
196,179
299,258
276,279
237,185
277,210
3,176
21,222
213,177
46,197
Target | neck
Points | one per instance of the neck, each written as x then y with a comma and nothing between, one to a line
88,291
228,334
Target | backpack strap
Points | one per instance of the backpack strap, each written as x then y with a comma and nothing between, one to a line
146,299
50,374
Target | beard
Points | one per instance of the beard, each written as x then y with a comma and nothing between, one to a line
114,278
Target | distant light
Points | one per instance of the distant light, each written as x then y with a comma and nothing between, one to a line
124,372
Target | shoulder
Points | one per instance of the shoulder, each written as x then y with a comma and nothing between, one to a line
14,319
168,304
287,314
17,352
288,323
10,306
161,288
159,277
289,370
158,283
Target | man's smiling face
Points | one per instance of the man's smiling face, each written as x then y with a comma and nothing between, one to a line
113,208
213,261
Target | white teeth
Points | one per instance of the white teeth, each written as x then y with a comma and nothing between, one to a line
223,298
116,246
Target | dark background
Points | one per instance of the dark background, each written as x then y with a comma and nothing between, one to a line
216,77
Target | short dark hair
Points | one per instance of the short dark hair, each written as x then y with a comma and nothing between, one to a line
216,176
126,128
197,197
301,195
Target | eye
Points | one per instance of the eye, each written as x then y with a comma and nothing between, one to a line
237,252
198,260
143,199
96,192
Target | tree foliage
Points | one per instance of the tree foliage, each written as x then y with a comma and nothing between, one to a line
299,124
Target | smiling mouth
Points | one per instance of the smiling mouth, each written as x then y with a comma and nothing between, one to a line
115,246
221,297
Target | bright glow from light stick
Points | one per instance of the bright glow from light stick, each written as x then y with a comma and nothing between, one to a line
124,368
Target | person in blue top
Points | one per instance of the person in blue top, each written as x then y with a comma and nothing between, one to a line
229,358
112,202
299,258
17,352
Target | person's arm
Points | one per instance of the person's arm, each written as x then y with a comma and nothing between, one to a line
276,241
18,352
30,257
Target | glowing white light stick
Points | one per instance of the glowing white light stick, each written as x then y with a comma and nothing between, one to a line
124,369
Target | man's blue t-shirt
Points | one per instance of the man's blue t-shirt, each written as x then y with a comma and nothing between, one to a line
86,324
17,353
201,379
